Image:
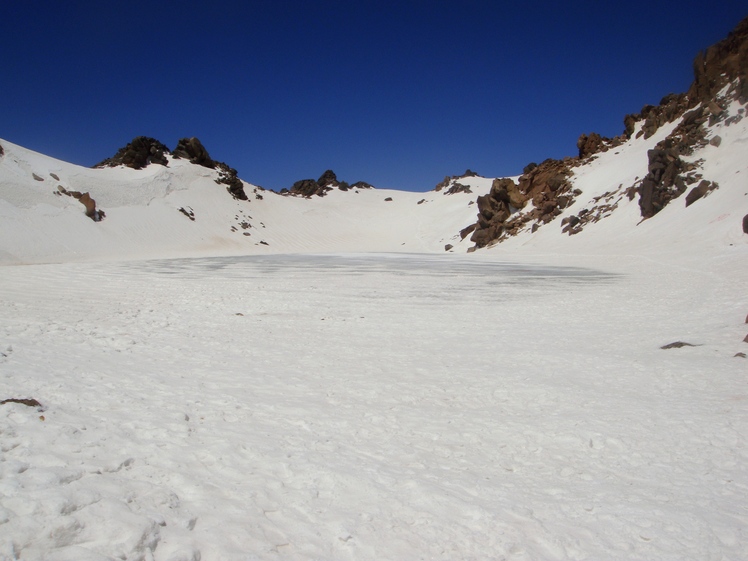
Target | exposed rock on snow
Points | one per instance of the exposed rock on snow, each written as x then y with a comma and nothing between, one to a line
194,151
28,402
701,190
720,76
546,185
721,64
97,215
138,154
453,180
326,182
677,345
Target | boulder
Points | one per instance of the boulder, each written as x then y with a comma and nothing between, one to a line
699,191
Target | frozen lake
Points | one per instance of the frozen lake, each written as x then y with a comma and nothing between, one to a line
366,407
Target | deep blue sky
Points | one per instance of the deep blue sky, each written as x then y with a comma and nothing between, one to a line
398,94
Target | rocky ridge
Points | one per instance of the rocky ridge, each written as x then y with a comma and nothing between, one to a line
326,182
720,75
143,151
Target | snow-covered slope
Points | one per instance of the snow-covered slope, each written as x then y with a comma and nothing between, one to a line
143,217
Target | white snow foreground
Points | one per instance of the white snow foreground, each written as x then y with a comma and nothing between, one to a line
509,404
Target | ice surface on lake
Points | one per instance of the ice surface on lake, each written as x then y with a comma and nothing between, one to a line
370,407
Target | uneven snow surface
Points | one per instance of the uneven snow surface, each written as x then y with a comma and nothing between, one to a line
317,379
376,406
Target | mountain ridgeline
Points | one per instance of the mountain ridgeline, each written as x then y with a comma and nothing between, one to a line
720,76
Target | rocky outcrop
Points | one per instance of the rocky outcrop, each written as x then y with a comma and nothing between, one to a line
193,150
722,64
545,185
326,182
143,151
228,176
671,107
458,188
2,150
328,179
454,178
138,154
669,175
85,199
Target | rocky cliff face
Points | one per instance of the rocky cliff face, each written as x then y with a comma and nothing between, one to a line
720,75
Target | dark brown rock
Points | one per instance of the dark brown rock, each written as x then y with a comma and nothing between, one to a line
388,199
28,402
328,179
228,176
589,144
677,345
745,231
699,191
468,230
138,154
458,188
307,188
722,64
193,150
448,247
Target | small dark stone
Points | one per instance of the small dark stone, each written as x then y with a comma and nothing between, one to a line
27,402
388,199
677,345
448,247
745,226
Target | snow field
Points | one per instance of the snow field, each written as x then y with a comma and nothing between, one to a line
373,407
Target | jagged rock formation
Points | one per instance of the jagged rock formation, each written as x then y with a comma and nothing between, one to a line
326,182
2,151
142,151
668,175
